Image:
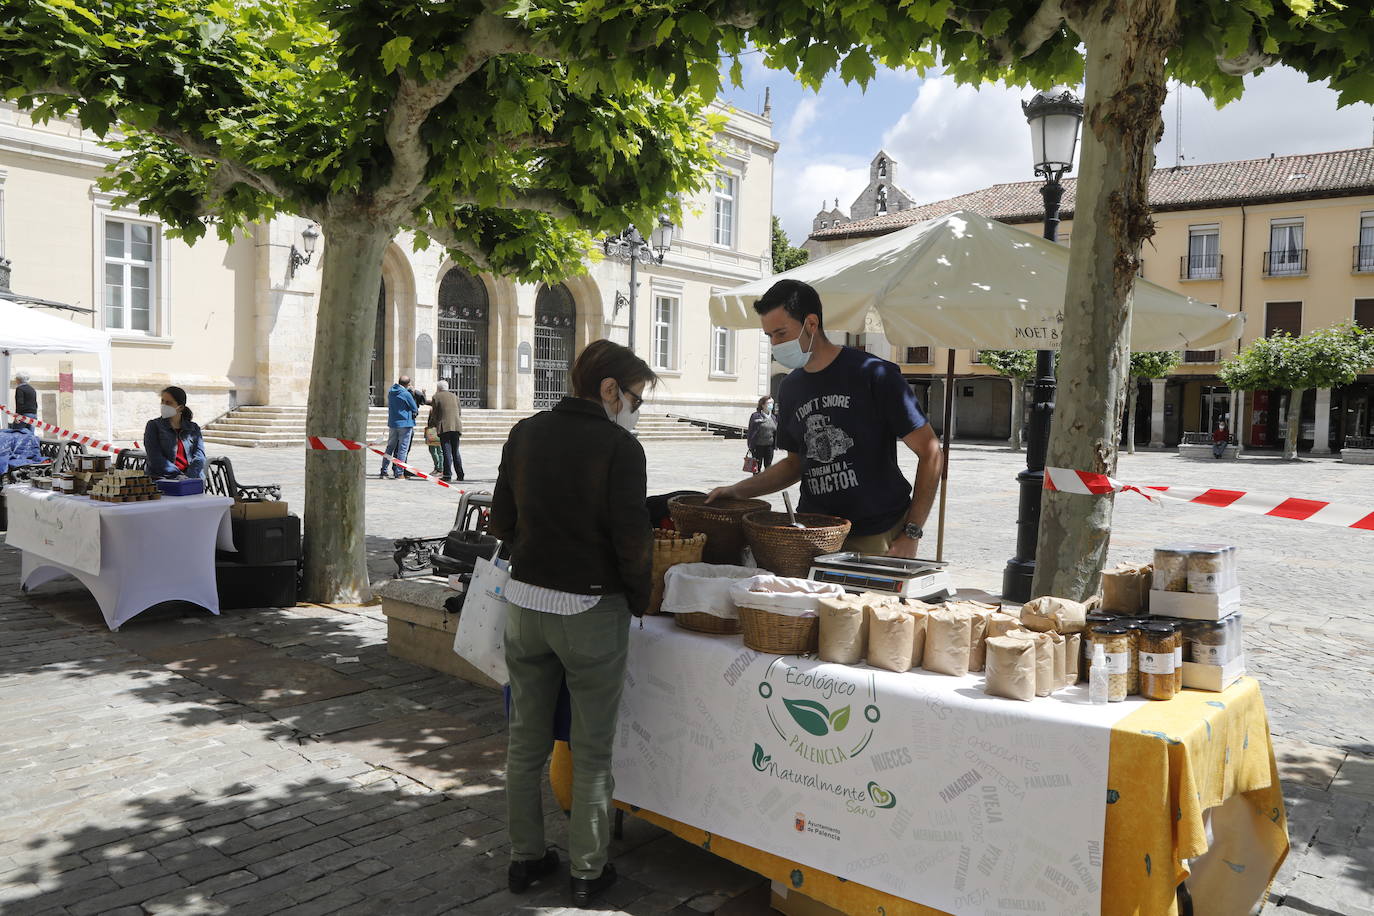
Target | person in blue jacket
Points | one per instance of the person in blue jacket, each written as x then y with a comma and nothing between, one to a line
173,442
401,411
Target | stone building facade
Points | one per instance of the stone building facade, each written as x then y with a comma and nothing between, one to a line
1287,240
234,324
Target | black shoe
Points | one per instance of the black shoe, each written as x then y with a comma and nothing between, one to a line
521,875
584,889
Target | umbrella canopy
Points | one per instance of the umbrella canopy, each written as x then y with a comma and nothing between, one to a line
24,330
967,282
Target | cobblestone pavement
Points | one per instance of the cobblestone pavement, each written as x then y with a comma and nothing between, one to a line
281,761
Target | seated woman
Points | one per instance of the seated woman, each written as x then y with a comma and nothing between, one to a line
172,441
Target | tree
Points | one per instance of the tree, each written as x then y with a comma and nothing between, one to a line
786,257
1324,358
1018,366
508,130
1150,364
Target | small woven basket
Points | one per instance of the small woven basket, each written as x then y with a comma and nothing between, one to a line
720,522
670,549
779,634
707,623
787,551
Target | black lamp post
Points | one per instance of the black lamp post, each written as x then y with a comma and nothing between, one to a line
631,246
1055,116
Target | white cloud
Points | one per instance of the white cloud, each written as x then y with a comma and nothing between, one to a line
802,189
808,110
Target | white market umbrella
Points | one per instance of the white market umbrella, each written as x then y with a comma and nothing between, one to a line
967,282
24,330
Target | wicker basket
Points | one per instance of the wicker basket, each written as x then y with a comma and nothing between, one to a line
779,634
787,551
720,522
670,549
708,623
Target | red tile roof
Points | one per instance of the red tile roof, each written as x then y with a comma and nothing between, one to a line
1344,173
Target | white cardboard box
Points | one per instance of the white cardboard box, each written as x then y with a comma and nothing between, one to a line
1194,606
1213,677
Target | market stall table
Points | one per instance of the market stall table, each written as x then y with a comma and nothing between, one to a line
845,796
130,556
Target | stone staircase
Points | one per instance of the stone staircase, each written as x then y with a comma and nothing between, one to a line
284,427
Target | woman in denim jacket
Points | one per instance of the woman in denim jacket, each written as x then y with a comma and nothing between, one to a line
173,441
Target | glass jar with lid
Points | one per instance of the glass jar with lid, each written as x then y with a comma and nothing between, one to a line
1116,645
1157,642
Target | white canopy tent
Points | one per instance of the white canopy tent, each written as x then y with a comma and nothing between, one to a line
968,282
25,330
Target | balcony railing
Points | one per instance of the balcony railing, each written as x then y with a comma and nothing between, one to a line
1199,356
1290,262
1363,260
1199,267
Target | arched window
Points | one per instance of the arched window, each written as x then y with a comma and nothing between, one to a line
882,198
882,167
555,337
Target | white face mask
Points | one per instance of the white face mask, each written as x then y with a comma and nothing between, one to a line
625,417
791,354
168,411
768,407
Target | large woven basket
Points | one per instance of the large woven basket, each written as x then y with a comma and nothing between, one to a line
787,551
779,634
707,623
720,522
670,549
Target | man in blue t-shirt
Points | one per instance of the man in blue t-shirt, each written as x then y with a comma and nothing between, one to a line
840,414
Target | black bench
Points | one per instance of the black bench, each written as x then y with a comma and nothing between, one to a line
219,477
415,556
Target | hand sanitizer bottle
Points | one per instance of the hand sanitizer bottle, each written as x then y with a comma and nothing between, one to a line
1097,677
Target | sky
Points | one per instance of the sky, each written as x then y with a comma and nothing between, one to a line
949,139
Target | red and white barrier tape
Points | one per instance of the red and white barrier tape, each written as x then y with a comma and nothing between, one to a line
1305,510
330,444
92,441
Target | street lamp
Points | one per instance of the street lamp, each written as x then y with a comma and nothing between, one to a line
1055,116
309,236
631,246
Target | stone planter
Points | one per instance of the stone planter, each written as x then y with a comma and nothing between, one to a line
420,629
1205,451
1357,455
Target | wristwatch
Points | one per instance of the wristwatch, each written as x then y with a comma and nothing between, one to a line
915,532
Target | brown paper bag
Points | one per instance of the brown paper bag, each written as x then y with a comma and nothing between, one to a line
1073,654
890,634
978,631
999,623
1010,668
1061,614
948,633
920,616
1061,664
1044,660
1126,588
843,630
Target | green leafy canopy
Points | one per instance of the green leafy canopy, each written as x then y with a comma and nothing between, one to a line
785,255
1324,358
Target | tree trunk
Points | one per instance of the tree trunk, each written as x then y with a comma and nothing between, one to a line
335,522
1127,42
1290,444
1132,389
1018,411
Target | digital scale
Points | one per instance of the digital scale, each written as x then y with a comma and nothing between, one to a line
856,572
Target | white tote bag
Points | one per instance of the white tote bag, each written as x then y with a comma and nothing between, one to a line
481,634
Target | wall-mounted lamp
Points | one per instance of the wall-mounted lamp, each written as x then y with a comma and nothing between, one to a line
309,236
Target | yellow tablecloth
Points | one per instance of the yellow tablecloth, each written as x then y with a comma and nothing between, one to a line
1177,768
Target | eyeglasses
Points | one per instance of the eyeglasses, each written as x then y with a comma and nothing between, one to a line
636,401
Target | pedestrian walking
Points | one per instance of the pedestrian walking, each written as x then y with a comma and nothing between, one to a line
762,435
446,420
401,411
25,402
570,500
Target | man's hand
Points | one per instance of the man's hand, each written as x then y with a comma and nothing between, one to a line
721,493
904,547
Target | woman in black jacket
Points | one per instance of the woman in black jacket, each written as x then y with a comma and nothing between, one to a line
570,501
762,434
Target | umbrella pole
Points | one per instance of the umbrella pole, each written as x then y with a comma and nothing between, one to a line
944,463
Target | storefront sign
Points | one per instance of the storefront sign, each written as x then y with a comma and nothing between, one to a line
915,784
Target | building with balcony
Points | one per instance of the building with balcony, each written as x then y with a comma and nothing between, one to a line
1287,240
234,323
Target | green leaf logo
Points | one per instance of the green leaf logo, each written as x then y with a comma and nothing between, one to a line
880,796
760,759
839,719
810,715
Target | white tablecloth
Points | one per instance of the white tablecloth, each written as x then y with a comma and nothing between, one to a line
149,552
915,784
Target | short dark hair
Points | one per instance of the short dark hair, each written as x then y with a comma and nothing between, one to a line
796,298
604,359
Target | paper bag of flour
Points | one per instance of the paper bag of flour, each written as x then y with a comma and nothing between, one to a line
999,623
948,634
1126,589
843,630
1061,662
1047,613
1073,654
1010,668
1044,659
890,633
920,615
978,632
